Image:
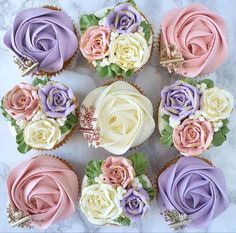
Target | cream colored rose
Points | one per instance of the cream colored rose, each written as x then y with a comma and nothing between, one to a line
42,134
101,204
216,104
129,51
123,116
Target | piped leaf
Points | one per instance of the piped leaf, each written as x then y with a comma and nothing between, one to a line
93,170
147,29
123,220
87,21
139,163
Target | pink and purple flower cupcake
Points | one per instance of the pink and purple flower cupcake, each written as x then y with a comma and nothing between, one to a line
194,115
116,191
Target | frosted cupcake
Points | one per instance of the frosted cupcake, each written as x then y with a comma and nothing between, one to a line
42,40
193,115
41,116
191,193
193,41
116,40
41,191
116,191
116,117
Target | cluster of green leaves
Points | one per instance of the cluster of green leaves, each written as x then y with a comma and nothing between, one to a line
22,146
70,122
193,82
93,170
87,21
167,132
147,29
112,70
150,190
40,81
123,220
221,135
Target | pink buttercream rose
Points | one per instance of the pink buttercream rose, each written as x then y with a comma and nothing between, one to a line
118,171
200,35
193,137
22,102
94,43
44,188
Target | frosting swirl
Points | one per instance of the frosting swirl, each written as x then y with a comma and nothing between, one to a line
123,117
200,36
45,188
44,36
193,187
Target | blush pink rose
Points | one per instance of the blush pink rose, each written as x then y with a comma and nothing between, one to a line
118,171
193,137
200,35
22,102
94,43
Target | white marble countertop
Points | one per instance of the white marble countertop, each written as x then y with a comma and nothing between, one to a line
152,79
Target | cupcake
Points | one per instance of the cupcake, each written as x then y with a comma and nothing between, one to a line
41,191
193,41
116,117
193,115
116,190
41,116
191,192
43,40
117,40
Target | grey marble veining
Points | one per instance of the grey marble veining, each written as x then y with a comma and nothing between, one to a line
151,79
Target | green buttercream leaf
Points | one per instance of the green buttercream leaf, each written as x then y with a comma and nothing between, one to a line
22,146
166,136
71,122
123,221
218,138
102,71
93,170
208,82
190,81
41,81
147,29
166,118
87,21
139,163
127,74
150,190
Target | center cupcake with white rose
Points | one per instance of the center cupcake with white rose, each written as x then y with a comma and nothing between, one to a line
193,115
116,117
116,40
41,116
116,190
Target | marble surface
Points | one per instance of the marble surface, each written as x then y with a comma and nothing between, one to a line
151,78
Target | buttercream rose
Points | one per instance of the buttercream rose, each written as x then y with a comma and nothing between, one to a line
22,102
193,187
42,134
193,137
180,99
118,171
135,204
94,43
57,100
216,104
122,116
101,204
45,188
129,51
200,35
44,36
124,18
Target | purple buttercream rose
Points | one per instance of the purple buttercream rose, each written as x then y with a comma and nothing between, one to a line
193,187
124,18
135,204
44,36
180,100
57,100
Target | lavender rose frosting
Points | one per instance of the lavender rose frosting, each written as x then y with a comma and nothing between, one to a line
124,18
44,36
135,204
193,187
180,99
57,100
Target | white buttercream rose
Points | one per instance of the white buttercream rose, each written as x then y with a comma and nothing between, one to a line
42,134
216,104
129,51
123,115
101,204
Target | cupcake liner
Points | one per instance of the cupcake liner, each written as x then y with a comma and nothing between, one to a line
67,63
